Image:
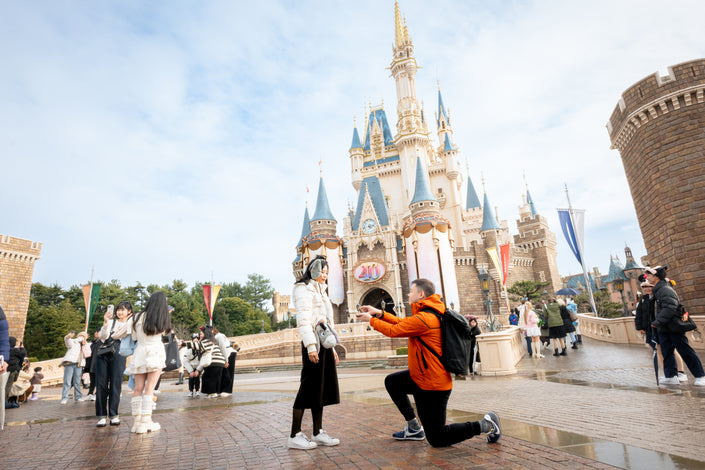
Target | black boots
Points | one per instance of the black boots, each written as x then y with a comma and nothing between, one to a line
181,379
575,346
564,352
555,352
580,339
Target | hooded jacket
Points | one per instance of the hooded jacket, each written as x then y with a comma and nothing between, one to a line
425,368
666,305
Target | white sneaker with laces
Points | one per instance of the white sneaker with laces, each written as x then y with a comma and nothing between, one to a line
700,381
669,381
102,422
323,439
189,394
115,421
300,441
682,377
63,402
225,394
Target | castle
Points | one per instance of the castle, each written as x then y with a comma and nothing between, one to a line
417,215
659,131
17,258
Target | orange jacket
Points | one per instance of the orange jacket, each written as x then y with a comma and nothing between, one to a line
424,367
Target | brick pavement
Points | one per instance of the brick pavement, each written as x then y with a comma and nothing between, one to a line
560,412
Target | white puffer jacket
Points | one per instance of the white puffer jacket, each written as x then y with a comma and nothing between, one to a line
312,306
73,355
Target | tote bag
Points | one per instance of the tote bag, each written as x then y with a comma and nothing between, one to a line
173,361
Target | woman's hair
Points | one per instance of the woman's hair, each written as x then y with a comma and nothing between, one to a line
156,315
316,266
37,369
527,308
124,304
208,333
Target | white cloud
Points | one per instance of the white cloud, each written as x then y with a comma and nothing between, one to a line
162,141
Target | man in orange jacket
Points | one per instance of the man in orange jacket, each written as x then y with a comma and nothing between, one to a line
425,379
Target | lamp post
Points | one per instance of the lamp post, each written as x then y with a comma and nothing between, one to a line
619,285
262,330
484,277
288,319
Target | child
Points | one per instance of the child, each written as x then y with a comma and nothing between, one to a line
37,383
191,358
149,358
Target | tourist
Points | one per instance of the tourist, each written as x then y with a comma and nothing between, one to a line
14,359
36,382
213,372
225,388
148,360
568,328
474,332
110,368
425,379
319,377
190,359
73,362
532,330
90,365
514,317
556,329
667,303
573,309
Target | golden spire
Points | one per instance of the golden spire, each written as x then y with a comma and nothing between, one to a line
398,26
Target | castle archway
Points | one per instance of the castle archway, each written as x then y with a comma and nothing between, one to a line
375,298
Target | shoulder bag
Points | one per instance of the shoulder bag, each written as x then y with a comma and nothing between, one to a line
173,361
110,346
325,335
681,321
127,345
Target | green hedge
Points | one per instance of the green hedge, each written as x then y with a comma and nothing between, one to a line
402,351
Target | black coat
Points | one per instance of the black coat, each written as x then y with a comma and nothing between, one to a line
666,305
17,355
644,313
568,326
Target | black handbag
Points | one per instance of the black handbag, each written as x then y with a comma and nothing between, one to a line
110,346
681,321
173,361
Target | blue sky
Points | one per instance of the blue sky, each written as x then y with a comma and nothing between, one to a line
171,140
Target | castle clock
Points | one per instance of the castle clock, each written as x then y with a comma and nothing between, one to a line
369,226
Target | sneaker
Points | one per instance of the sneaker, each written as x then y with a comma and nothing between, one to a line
225,394
115,421
669,381
212,395
323,439
682,377
189,395
198,394
64,401
102,422
494,432
92,397
157,392
700,381
300,441
408,435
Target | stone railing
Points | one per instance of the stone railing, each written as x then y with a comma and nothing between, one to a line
622,330
500,351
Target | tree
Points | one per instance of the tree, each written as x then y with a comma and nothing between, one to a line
605,307
527,289
46,327
258,291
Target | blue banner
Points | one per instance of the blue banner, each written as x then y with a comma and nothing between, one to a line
569,232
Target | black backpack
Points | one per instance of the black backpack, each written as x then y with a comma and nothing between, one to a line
455,339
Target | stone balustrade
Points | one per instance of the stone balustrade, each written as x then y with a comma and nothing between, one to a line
500,351
622,330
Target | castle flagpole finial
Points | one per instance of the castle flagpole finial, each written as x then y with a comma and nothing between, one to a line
482,175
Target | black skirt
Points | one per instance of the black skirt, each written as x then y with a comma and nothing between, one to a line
556,332
319,382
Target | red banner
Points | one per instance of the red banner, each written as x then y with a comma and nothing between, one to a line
504,253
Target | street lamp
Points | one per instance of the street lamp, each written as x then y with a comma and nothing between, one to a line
484,277
288,319
619,285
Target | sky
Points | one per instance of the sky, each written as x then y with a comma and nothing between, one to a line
153,141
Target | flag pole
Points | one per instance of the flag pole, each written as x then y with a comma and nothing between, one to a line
580,252
90,300
210,300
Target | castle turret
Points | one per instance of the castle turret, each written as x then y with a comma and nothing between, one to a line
472,201
323,219
356,158
489,221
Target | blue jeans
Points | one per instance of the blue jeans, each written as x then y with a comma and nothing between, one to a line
528,344
72,378
678,341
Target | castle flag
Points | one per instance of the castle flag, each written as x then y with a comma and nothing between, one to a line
504,253
495,260
91,293
573,233
210,294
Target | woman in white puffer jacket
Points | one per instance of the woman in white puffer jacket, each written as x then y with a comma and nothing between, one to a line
319,378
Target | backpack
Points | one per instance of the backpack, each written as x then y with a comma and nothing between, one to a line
455,339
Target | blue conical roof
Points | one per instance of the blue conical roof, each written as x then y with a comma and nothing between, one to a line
306,228
472,201
489,222
322,209
422,187
531,204
441,109
355,140
448,144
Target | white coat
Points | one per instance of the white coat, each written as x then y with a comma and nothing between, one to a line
312,306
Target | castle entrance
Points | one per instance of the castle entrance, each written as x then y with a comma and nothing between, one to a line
375,298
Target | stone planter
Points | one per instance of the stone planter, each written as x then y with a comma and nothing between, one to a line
398,361
500,351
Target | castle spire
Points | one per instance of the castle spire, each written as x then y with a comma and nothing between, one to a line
489,222
422,188
322,208
400,31
471,201
442,111
306,228
355,140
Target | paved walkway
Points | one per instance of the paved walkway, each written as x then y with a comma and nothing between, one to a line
598,407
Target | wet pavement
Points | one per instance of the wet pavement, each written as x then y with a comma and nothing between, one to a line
598,407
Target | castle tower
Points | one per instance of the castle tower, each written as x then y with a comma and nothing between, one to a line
301,260
659,130
356,159
429,241
17,258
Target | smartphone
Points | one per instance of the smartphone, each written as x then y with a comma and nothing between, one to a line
2,359
111,309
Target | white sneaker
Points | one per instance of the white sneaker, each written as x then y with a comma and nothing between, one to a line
189,394
82,399
63,402
323,439
682,377
670,381
225,394
212,395
700,381
300,441
157,392
198,394
115,421
102,422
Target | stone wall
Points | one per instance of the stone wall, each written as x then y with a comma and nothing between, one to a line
658,126
17,257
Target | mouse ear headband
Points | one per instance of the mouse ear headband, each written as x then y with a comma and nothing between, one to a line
316,267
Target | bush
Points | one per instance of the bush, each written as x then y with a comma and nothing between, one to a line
402,351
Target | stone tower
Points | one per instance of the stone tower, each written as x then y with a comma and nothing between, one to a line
658,126
17,258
